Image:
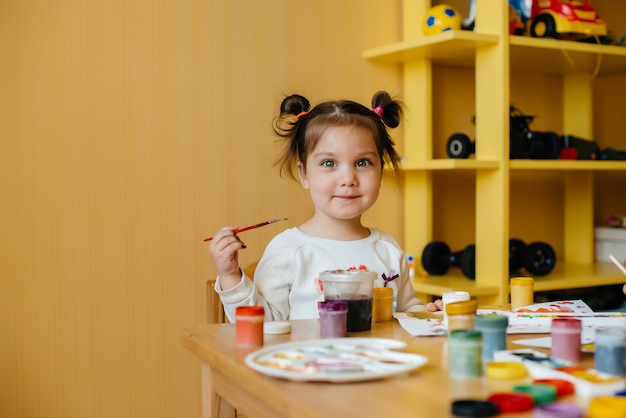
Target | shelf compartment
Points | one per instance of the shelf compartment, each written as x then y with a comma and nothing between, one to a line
568,165
450,164
550,56
455,48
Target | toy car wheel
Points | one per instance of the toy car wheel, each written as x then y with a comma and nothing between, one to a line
540,258
436,258
545,145
543,26
459,146
468,261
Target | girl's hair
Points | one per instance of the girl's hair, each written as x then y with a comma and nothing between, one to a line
302,128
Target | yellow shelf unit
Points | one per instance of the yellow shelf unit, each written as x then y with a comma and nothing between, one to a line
492,52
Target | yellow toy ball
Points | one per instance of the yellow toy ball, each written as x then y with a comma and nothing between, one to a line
441,18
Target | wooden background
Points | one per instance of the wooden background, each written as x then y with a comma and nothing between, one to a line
130,131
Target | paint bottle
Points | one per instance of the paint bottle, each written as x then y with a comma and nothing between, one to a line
450,297
565,334
522,291
464,352
249,325
493,328
410,259
461,314
610,354
382,308
333,318
355,287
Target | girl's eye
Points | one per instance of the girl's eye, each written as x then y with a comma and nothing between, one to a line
363,163
328,163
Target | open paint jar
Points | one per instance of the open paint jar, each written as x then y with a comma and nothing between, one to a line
356,288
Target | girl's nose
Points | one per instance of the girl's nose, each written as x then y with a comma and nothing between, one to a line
349,177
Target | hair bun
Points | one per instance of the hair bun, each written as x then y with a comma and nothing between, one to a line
392,110
294,105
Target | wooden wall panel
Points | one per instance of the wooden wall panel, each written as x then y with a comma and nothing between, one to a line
130,130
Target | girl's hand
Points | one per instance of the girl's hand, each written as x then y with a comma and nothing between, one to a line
434,306
224,249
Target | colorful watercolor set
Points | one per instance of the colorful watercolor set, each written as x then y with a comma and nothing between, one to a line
335,359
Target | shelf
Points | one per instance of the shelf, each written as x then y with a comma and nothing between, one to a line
551,56
564,276
543,55
436,285
456,48
569,276
552,165
450,164
569,165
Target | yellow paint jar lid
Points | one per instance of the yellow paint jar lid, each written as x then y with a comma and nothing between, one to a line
464,307
505,370
607,406
522,281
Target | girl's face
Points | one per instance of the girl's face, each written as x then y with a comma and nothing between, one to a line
343,173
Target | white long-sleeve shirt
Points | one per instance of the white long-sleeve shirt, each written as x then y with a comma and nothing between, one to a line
285,281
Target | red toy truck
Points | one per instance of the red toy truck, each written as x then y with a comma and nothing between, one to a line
552,18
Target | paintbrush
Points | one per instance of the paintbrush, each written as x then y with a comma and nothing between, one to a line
236,231
617,263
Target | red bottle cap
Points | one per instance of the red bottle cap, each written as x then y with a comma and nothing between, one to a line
563,387
249,311
512,402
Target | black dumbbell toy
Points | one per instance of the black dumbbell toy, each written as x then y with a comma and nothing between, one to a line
517,253
538,258
437,259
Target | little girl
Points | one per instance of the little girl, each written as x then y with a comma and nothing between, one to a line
337,151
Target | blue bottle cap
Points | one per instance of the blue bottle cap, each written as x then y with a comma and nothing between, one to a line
491,321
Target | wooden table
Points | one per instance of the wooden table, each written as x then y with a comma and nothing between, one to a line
428,391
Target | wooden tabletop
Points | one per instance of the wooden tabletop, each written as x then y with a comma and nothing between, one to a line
427,391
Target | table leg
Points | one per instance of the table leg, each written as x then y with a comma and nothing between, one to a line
213,406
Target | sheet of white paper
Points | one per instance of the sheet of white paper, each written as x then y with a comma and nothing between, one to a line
587,337
532,319
422,323
537,318
541,342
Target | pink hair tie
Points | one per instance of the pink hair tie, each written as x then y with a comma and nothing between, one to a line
379,111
